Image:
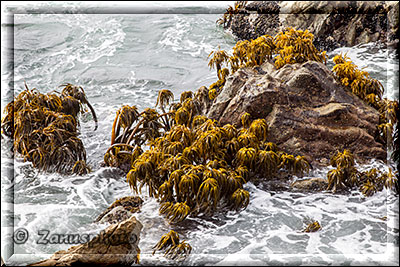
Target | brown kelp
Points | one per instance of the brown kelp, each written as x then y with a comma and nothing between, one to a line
44,128
174,249
193,164
287,47
346,176
370,91
230,11
312,227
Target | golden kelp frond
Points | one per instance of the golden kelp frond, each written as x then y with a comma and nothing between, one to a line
127,116
230,11
178,212
359,82
165,192
346,176
174,249
188,185
390,179
246,157
212,94
287,161
343,159
195,164
259,128
218,58
245,119
80,168
335,180
178,252
267,162
167,240
165,97
312,227
248,139
208,195
78,93
240,199
368,188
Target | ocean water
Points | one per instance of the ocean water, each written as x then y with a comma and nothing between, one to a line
126,58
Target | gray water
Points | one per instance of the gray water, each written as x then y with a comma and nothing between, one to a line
126,59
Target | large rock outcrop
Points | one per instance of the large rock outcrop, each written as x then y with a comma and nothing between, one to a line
116,245
333,23
308,112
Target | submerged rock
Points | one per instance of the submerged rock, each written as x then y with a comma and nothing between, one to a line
311,184
333,23
116,245
120,210
308,112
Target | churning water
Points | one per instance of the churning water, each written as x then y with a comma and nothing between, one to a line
124,59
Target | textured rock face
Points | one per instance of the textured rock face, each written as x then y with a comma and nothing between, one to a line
116,245
333,23
308,112
120,210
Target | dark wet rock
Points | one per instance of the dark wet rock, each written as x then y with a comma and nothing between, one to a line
120,210
311,184
333,23
116,245
308,112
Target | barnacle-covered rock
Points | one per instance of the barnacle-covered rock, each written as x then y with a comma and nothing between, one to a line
334,23
307,110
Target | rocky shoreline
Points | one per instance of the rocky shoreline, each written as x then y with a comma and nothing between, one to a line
118,244
333,23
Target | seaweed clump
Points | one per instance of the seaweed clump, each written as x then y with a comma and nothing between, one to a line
44,128
230,12
287,47
370,91
194,166
312,227
174,249
346,176
198,165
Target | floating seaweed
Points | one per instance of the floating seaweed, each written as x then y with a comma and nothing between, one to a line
312,227
44,128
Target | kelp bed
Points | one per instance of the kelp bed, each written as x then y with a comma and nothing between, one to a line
44,128
194,165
